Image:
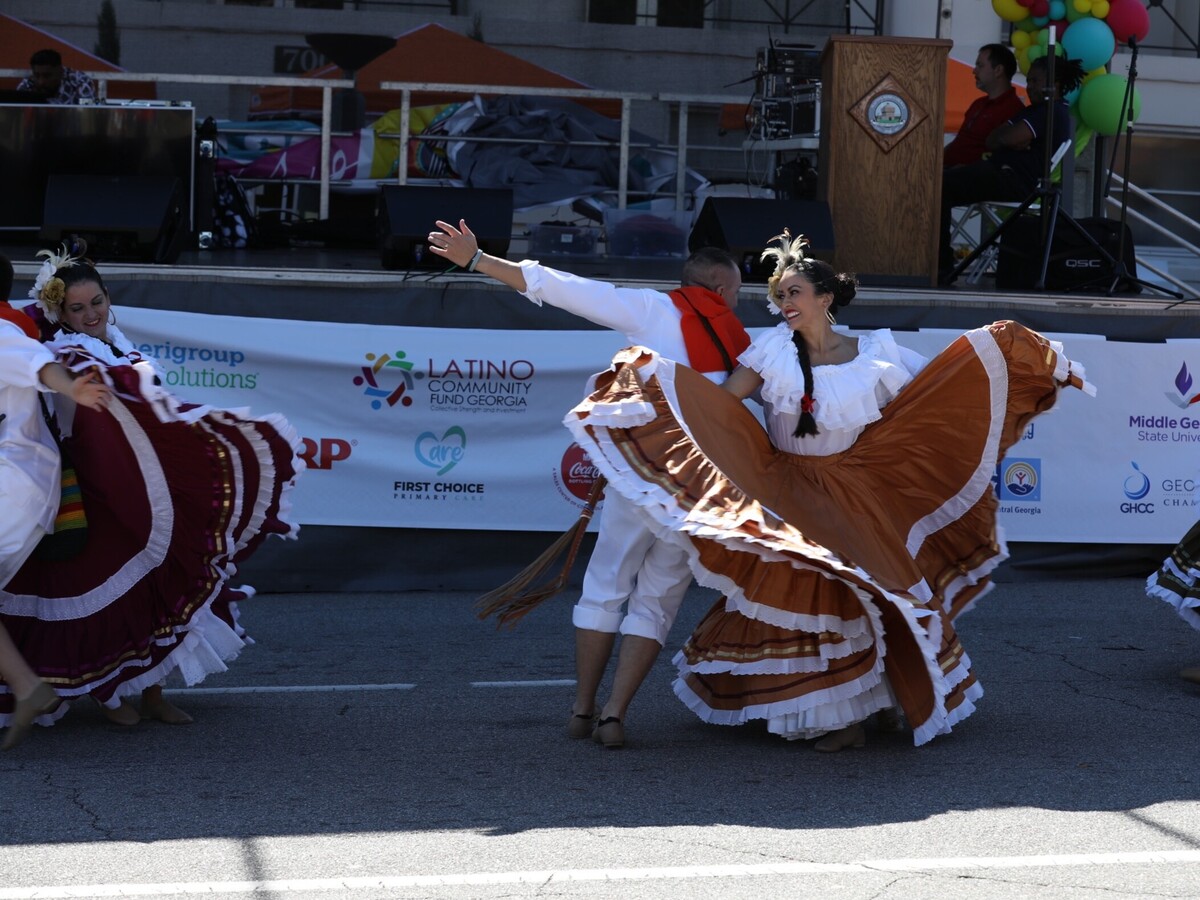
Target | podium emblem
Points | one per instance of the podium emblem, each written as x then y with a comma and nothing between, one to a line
888,113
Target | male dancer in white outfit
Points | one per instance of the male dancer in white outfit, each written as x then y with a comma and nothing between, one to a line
629,565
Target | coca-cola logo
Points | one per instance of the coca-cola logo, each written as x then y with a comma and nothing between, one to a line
578,472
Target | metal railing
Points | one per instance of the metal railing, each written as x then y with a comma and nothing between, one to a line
1114,200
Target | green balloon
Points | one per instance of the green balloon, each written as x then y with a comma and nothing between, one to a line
1100,103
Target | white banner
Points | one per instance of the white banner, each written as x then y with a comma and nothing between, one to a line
462,428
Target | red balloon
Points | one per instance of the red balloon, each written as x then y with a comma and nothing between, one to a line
1060,25
1128,18
1026,3
1041,7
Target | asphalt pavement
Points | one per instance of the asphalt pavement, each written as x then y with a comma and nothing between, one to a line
392,745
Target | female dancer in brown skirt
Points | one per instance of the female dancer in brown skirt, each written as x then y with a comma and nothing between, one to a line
846,538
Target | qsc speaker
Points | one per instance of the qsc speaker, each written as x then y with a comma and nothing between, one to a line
120,216
744,226
407,214
1074,264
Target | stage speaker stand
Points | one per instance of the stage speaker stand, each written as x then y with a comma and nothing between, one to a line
407,214
744,226
130,217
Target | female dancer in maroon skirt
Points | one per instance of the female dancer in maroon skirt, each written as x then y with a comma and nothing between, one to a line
846,538
175,495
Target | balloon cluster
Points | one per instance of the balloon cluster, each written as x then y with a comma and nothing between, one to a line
1089,31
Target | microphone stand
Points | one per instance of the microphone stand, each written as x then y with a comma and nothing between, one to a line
1121,274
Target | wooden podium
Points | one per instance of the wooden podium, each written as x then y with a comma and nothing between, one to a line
880,162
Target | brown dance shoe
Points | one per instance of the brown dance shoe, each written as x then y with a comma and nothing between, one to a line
580,725
163,711
854,737
610,732
40,701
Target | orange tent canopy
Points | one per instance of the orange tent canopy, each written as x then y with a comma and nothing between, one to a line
20,40
429,53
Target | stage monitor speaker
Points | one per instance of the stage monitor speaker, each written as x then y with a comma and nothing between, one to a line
407,214
1074,264
744,226
136,217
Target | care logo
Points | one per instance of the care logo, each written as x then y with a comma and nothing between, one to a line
1021,479
1137,488
441,453
1183,387
388,379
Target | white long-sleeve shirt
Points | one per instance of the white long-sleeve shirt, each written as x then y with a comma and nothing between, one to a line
29,464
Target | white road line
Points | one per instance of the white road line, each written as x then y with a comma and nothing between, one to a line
292,689
321,688
864,867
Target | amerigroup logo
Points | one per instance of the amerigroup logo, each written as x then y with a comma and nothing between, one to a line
388,379
1137,488
185,365
1018,485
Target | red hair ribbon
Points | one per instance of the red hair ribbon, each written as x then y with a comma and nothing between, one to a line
806,403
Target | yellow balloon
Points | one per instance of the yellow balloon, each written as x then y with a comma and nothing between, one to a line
1023,61
1009,10
1020,40
1100,8
1083,6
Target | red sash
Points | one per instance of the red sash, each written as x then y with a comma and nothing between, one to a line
707,320
19,319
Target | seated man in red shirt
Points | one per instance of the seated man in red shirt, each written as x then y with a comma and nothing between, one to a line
994,69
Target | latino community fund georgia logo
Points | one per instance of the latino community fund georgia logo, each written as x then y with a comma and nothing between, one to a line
388,379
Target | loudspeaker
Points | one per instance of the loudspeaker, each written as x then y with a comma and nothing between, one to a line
1074,264
407,214
120,216
745,226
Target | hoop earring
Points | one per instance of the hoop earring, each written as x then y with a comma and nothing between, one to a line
112,317
829,316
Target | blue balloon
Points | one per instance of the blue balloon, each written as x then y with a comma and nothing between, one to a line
1090,41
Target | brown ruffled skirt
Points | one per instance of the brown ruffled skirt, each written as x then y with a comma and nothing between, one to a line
842,575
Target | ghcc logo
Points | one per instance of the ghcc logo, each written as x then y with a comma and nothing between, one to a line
441,453
1137,487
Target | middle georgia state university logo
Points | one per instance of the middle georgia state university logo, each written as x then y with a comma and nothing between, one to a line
388,379
441,453
1183,385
